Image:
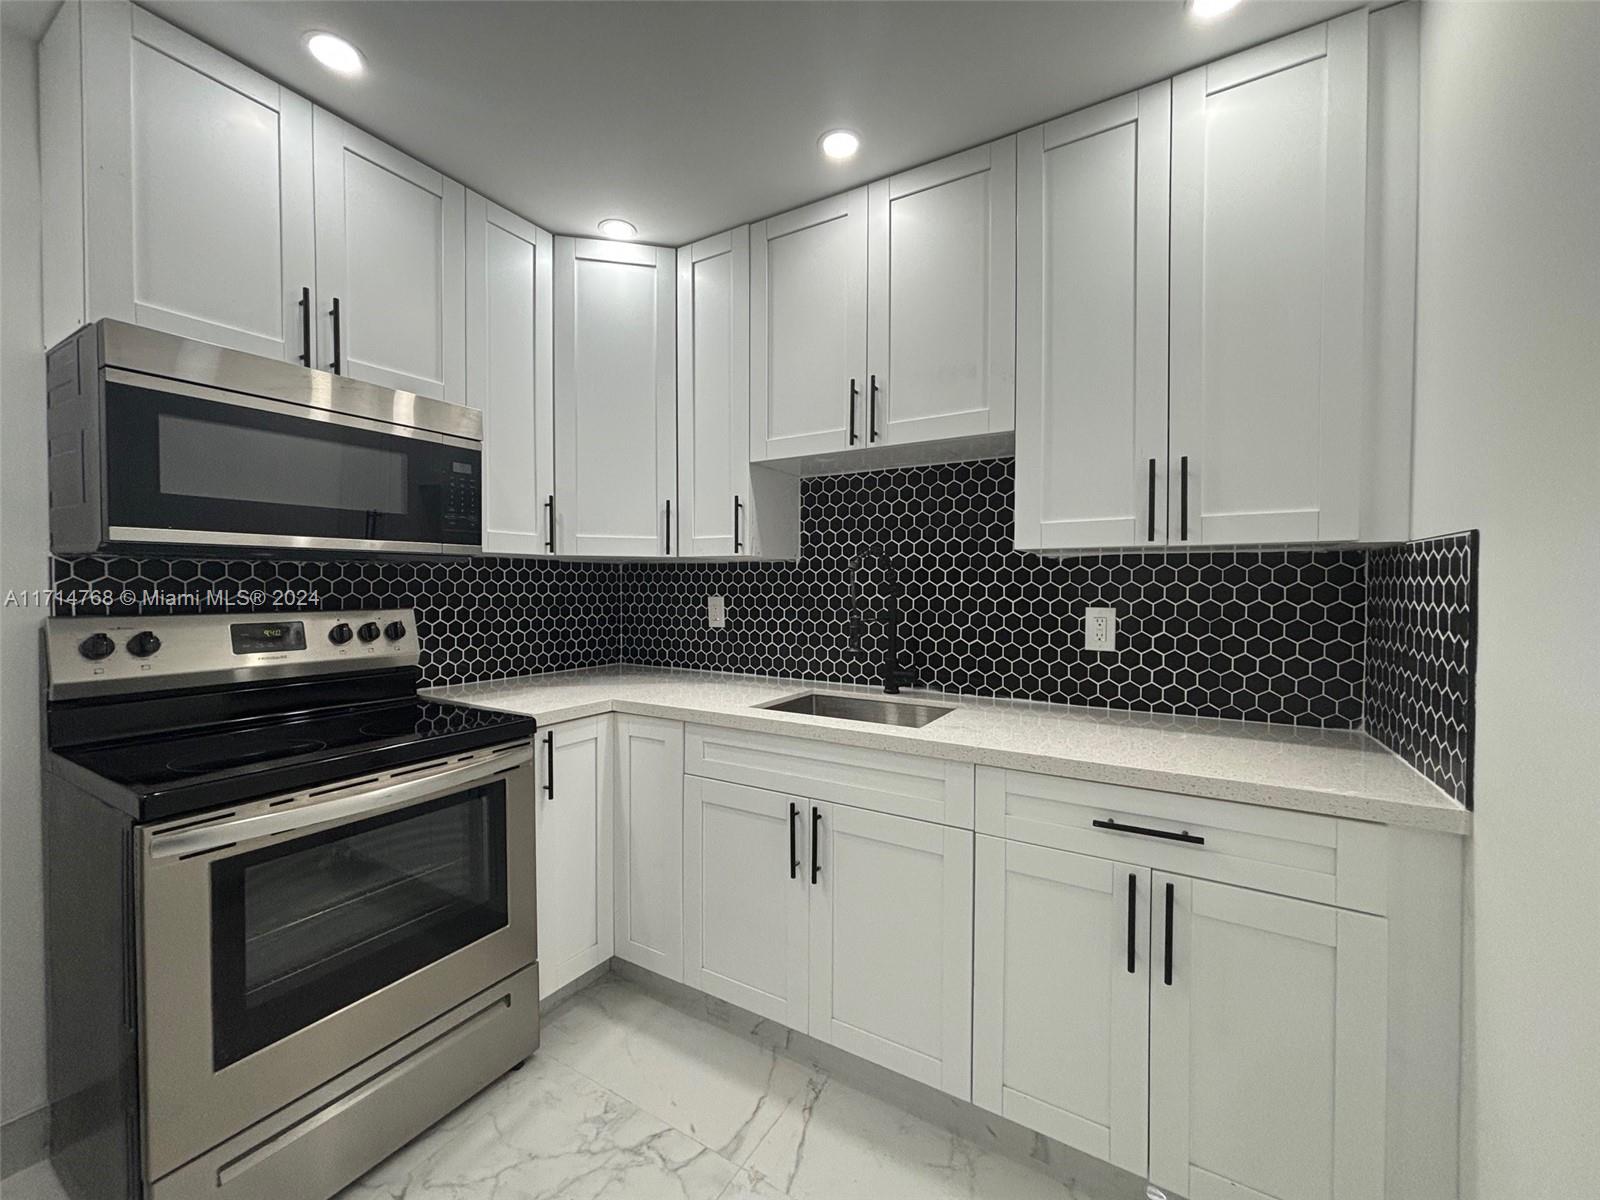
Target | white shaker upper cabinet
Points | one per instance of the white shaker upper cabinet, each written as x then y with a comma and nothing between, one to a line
941,298
808,326
1269,152
510,376
616,443
180,186
391,265
1092,326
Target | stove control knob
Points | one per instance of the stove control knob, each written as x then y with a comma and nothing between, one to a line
340,633
369,632
97,646
394,631
143,645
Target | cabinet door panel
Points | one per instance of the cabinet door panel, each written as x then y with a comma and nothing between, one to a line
808,289
745,901
573,851
1092,341
942,298
391,247
1060,1021
1268,1048
199,205
891,943
1268,253
616,445
649,844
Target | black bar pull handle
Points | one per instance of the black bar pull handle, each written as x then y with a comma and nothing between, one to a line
1133,917
550,523
853,438
1150,535
1183,498
872,409
816,857
338,357
1167,956
550,764
1118,827
738,508
669,526
305,326
794,843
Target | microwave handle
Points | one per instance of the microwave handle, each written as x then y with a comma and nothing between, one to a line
183,843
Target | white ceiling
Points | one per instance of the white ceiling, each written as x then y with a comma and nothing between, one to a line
689,117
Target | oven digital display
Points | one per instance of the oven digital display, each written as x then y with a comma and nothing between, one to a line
263,637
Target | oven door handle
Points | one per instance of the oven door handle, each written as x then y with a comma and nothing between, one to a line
184,843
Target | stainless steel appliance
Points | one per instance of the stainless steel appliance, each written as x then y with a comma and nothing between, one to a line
290,905
159,440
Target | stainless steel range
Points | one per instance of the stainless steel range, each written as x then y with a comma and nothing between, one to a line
290,906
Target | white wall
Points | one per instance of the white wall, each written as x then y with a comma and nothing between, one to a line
1508,441
24,546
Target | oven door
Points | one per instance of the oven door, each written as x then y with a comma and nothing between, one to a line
188,464
288,939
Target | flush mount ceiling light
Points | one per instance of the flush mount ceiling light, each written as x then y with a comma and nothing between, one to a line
617,229
1207,10
333,52
839,144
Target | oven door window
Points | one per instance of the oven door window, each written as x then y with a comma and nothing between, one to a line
306,928
178,462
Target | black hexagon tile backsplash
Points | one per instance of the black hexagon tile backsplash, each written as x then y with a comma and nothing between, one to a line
1330,638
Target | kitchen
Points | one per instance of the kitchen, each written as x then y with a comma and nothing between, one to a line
757,640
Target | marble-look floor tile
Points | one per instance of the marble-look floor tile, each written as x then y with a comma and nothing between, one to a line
37,1182
840,1144
746,1186
548,1132
719,1088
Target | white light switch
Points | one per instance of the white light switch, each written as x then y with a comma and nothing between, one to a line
1099,628
716,612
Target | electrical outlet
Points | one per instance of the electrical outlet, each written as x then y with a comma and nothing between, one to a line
716,612
1099,628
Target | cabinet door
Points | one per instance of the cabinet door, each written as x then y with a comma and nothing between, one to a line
615,405
391,255
510,376
891,942
808,329
1092,330
1268,268
714,395
649,844
198,189
745,897
573,850
1062,1004
941,298
1268,1044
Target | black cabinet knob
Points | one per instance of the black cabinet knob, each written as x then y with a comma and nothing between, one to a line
394,630
369,632
340,633
143,645
97,646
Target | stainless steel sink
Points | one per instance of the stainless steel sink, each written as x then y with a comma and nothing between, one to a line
913,714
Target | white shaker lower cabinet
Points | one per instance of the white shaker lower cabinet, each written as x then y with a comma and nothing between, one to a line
746,898
1062,1004
1268,1043
891,942
572,837
616,402
649,844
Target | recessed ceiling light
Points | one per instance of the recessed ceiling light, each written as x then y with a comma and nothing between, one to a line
617,228
1208,9
840,144
333,52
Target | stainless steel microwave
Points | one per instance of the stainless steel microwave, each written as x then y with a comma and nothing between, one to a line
157,440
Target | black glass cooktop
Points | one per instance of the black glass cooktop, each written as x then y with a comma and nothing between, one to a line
184,772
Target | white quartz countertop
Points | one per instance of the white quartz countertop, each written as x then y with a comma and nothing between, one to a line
1338,773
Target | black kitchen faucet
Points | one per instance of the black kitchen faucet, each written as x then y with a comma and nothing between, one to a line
895,671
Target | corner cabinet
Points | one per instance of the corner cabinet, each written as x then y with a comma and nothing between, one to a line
649,844
573,849
511,375
615,399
